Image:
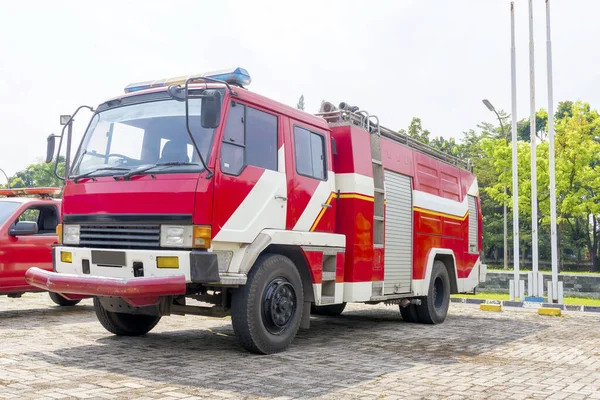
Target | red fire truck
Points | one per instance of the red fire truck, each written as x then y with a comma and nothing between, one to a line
194,195
28,219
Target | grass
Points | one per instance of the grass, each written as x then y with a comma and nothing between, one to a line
543,271
579,301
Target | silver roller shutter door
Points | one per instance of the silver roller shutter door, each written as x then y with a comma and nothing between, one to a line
398,233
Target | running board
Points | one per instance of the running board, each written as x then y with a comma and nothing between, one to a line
214,311
391,296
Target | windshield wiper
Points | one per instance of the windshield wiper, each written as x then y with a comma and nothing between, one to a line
140,171
87,174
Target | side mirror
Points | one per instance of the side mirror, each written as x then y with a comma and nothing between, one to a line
50,148
23,228
211,109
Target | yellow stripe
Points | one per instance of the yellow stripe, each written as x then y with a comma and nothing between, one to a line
342,196
314,225
439,214
355,196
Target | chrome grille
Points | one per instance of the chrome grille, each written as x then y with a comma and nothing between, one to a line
120,236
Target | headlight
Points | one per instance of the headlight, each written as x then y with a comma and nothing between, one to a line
176,236
70,234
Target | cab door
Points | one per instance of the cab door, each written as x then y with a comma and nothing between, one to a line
311,181
250,192
22,252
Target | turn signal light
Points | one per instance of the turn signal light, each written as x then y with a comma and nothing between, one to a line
202,236
167,262
59,233
66,256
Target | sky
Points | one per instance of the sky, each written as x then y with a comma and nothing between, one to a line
397,59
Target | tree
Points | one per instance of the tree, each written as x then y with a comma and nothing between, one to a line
38,175
300,104
577,175
448,146
541,121
416,131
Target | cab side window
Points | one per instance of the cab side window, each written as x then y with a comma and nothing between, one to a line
250,138
46,218
309,150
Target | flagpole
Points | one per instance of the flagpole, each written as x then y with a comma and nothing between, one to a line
515,171
553,236
532,132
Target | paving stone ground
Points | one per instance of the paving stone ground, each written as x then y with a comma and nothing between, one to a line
48,352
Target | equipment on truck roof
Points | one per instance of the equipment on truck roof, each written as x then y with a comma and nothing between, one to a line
36,191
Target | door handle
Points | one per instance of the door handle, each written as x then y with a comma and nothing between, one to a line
278,197
326,205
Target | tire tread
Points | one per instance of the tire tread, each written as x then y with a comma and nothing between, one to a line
242,306
122,324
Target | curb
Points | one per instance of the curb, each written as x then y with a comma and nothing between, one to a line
525,304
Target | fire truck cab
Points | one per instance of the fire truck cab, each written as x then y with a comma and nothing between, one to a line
28,220
194,195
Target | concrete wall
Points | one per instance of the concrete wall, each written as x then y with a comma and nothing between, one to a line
573,284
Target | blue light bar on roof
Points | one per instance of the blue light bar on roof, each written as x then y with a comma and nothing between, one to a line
234,76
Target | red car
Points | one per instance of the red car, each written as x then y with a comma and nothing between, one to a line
27,233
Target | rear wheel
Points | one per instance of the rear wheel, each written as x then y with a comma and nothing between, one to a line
124,324
61,301
266,311
434,308
330,310
409,313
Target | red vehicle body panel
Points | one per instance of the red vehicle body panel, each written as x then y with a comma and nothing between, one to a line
19,253
214,201
137,292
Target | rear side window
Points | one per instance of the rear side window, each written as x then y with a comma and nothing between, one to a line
250,138
309,150
261,134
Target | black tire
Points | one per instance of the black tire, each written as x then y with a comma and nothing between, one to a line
122,324
332,310
434,308
61,301
409,313
266,311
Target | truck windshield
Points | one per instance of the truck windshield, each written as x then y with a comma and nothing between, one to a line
7,208
133,136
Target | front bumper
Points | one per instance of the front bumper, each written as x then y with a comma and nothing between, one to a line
138,292
133,275
196,266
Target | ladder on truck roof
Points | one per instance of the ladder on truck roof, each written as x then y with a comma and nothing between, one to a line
352,115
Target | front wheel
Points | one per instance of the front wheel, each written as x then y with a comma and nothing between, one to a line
123,324
434,308
266,311
61,301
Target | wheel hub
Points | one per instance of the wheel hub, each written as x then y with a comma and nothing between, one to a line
279,305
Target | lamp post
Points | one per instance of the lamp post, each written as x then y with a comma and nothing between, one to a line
491,108
6,176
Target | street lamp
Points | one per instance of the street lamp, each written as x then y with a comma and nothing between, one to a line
7,180
491,108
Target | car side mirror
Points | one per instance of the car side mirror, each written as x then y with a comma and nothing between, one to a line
23,228
211,109
50,148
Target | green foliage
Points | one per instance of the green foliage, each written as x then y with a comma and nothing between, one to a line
416,131
447,146
577,155
523,126
38,175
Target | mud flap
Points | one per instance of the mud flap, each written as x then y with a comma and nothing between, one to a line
305,323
